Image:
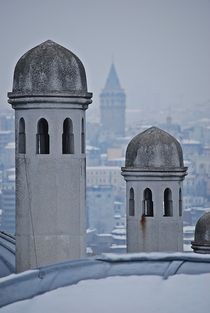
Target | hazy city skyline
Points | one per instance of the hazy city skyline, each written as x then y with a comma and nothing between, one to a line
160,48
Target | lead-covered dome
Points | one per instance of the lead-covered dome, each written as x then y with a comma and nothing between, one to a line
154,149
201,244
49,68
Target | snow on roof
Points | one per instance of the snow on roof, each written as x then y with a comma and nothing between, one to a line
109,281
119,231
124,294
118,247
189,229
119,237
104,235
88,147
187,248
190,142
10,145
90,230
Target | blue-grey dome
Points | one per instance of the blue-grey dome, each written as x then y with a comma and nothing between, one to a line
154,149
49,68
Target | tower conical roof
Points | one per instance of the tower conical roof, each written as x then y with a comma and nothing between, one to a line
112,81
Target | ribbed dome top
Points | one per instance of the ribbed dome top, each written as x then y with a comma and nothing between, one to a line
49,68
154,149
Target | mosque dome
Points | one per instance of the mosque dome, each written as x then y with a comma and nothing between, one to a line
49,68
201,244
154,149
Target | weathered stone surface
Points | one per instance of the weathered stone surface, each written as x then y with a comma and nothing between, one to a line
201,244
154,149
49,84
49,68
154,170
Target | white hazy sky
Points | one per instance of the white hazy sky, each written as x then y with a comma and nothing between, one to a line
161,48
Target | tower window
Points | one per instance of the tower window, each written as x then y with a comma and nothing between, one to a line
131,203
180,202
42,137
21,137
168,203
148,203
83,137
68,137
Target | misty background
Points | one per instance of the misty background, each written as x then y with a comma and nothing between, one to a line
161,52
160,48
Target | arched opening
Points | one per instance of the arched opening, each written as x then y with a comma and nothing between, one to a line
147,203
68,137
21,136
168,203
42,137
131,203
180,202
83,137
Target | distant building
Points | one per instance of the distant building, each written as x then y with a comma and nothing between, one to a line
6,136
100,209
8,155
112,106
8,202
105,175
7,121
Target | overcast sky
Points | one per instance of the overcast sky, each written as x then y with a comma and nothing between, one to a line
161,48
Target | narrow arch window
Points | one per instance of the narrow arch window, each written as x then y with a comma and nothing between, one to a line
21,136
42,137
168,203
147,203
68,137
83,137
131,203
180,202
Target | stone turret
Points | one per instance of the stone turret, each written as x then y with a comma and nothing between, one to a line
154,172
50,98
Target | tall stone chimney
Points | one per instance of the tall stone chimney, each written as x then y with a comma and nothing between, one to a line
50,98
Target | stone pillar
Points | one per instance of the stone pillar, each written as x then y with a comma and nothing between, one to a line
50,98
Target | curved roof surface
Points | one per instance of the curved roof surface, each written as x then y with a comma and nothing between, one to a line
154,149
106,283
7,254
49,68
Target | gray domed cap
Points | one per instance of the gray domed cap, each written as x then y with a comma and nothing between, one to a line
201,244
154,149
49,68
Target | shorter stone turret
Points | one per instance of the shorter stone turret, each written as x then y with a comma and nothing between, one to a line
154,172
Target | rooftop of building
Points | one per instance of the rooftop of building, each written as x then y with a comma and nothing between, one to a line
77,286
